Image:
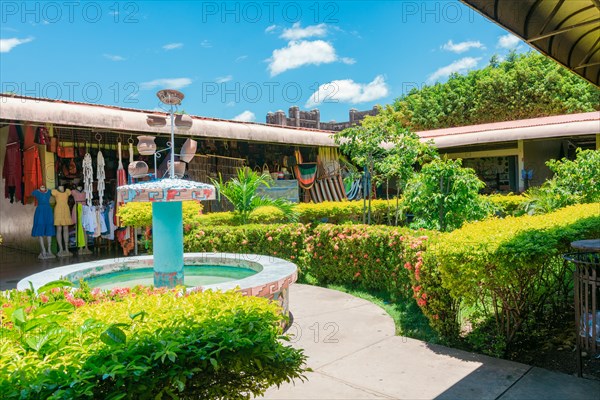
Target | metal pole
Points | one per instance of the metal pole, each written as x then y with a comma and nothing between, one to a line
172,168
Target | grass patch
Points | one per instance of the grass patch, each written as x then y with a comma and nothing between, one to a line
408,317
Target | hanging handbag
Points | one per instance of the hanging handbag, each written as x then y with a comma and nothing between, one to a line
52,145
65,151
41,136
265,169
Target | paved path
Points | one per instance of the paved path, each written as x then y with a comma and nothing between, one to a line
355,355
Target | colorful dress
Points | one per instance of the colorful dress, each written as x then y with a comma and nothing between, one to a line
62,213
43,219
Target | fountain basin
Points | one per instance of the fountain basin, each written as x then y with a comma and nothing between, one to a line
271,278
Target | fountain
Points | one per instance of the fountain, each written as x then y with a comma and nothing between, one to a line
256,275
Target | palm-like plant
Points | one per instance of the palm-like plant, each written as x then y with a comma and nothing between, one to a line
241,192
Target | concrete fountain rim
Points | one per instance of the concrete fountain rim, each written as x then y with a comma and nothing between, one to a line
273,269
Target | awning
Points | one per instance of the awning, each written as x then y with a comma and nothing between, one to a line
100,117
567,31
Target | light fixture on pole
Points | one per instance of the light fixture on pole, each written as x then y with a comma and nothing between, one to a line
171,98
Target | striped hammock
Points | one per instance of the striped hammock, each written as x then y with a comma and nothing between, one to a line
306,174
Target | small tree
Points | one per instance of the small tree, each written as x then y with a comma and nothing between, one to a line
387,148
574,182
444,195
241,192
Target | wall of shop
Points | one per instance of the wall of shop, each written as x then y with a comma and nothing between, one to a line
536,153
16,219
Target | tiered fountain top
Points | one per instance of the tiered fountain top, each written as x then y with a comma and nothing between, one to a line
166,190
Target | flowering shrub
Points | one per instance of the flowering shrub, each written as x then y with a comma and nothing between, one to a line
367,256
284,241
140,344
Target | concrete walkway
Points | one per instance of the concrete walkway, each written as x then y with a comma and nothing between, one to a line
352,349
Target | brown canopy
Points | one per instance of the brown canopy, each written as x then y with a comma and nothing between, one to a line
567,31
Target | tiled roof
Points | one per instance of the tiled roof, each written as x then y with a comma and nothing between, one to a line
506,125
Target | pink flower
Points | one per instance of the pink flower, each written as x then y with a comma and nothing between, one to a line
366,256
336,247
44,298
421,302
244,241
270,239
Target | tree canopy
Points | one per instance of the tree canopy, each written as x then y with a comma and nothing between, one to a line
522,86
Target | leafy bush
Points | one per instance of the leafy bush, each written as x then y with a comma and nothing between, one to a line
285,241
141,344
574,182
507,204
339,212
241,192
510,270
371,257
139,215
444,195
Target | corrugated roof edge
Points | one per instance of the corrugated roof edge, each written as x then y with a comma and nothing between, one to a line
156,112
516,124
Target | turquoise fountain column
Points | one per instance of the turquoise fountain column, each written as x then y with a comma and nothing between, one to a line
167,242
166,196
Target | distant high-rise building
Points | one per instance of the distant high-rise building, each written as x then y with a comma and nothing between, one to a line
312,118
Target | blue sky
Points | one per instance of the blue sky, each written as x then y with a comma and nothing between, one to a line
241,59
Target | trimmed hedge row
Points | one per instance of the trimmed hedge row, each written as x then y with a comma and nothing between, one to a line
510,270
372,257
507,270
141,344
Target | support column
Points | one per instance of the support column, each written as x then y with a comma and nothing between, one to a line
520,164
167,232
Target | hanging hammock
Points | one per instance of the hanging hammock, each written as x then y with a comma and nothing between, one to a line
306,174
88,177
100,176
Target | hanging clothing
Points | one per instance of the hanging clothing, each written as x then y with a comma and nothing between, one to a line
62,213
43,219
80,235
79,198
109,220
88,218
32,171
88,173
13,166
100,176
100,223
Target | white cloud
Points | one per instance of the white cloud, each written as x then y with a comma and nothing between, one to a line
270,28
230,104
462,46
296,32
304,52
113,57
172,46
508,41
246,116
223,79
348,91
241,58
7,45
458,66
348,60
166,83
206,44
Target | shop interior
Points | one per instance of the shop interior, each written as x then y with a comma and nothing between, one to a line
85,164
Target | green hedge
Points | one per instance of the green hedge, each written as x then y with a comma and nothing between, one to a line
508,204
382,212
141,344
371,257
510,270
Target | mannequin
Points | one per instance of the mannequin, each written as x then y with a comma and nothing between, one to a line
62,220
79,195
43,222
